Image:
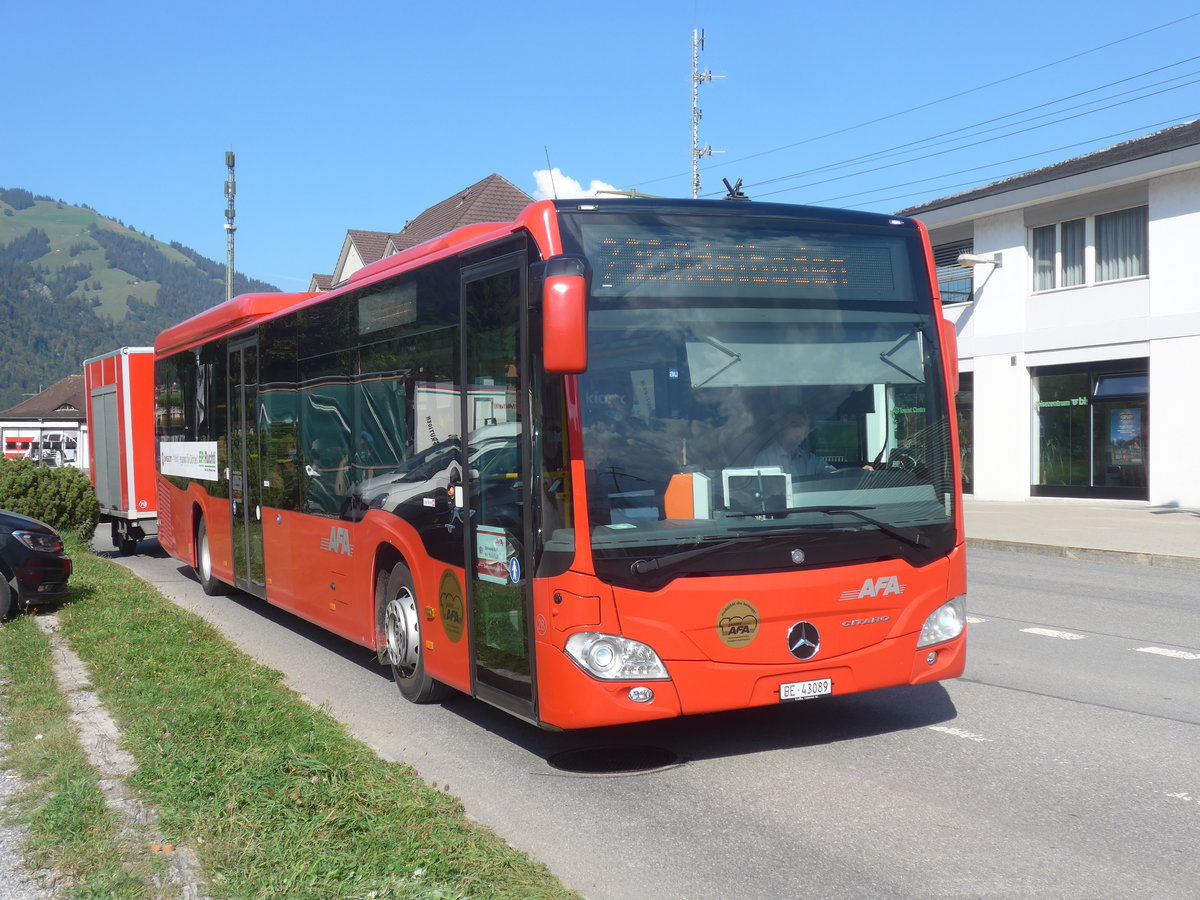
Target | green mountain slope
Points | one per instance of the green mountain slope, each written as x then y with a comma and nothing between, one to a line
75,284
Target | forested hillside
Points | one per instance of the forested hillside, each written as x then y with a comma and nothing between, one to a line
75,284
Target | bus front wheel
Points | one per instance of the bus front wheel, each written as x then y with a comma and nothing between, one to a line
400,630
204,573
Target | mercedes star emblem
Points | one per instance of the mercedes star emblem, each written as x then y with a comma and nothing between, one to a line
804,640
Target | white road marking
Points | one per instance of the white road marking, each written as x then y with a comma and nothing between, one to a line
975,620
1061,635
1180,795
958,732
1174,654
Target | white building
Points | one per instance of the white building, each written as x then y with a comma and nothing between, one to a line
49,428
1079,343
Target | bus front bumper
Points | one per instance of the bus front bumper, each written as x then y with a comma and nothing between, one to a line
570,698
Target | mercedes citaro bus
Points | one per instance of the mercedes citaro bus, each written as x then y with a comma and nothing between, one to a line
527,461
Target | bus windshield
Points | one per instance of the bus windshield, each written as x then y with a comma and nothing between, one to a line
775,378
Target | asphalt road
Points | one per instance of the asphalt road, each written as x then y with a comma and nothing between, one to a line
1065,763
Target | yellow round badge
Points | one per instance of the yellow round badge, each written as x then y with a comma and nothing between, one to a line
737,625
450,602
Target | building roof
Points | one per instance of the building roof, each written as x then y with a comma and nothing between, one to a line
494,199
371,245
1153,144
63,400
360,248
320,283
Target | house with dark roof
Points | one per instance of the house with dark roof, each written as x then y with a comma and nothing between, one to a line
1078,319
493,199
50,428
361,248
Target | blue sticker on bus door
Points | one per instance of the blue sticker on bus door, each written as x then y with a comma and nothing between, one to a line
514,570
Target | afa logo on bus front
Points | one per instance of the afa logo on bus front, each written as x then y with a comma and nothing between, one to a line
188,459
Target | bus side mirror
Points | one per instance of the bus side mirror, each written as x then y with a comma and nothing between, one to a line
950,349
564,316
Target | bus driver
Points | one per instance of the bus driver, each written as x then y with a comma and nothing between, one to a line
787,451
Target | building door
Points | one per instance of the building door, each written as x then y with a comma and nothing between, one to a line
497,484
1121,420
245,468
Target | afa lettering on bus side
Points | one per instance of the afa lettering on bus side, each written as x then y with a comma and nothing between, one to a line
875,587
338,541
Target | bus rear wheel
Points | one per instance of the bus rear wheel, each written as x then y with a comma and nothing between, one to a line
400,630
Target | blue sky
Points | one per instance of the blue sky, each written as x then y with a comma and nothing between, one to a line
362,115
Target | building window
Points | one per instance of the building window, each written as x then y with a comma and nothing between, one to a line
1045,240
1121,244
1118,246
954,281
1071,252
965,403
1092,430
1058,253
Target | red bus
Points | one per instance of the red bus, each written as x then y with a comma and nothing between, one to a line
549,463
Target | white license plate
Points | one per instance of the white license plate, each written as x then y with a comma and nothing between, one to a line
806,690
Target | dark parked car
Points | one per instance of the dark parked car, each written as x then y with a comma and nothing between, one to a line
33,567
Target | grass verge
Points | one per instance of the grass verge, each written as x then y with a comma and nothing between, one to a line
72,833
274,796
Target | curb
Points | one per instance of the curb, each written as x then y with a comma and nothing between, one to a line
1129,557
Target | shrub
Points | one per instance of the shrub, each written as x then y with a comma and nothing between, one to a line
60,497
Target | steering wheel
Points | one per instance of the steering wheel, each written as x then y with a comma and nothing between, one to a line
902,460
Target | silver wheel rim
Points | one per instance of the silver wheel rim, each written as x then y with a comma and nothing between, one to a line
402,632
205,559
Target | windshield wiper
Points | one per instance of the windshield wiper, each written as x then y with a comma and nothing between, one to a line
886,356
646,566
734,358
673,560
908,535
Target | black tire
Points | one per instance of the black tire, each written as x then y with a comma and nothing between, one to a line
127,545
210,584
6,598
399,620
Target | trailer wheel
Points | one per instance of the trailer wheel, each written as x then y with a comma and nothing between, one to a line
204,574
400,629
123,541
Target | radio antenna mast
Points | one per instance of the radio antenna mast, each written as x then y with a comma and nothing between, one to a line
698,78
230,228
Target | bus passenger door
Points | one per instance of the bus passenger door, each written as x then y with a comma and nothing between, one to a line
245,469
496,481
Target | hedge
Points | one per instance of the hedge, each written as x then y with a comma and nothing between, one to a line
60,497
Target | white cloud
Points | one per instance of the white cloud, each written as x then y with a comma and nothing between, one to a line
553,183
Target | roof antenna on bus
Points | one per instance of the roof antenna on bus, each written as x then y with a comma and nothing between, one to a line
550,169
735,190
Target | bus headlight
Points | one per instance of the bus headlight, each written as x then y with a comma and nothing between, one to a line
945,623
615,658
